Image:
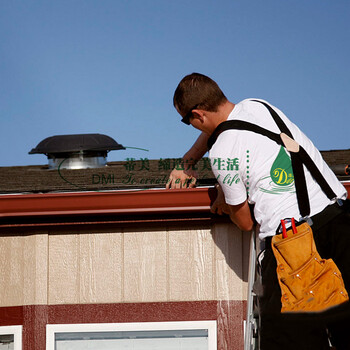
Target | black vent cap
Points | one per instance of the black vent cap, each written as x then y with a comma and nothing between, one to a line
75,143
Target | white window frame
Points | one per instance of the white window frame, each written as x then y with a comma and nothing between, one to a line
17,333
52,329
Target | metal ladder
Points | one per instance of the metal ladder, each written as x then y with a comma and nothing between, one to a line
251,337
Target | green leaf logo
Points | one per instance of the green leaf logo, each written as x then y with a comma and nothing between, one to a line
281,171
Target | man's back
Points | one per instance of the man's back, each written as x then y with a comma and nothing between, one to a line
246,162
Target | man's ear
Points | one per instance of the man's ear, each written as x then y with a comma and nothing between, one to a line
198,114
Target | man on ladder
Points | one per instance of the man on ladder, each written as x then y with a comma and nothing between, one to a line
252,170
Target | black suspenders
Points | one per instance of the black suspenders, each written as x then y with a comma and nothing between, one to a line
298,159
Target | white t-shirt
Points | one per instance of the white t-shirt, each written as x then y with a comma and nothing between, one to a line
251,166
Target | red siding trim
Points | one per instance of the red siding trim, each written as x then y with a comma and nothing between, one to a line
34,318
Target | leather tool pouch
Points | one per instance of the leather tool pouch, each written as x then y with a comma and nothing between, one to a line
308,282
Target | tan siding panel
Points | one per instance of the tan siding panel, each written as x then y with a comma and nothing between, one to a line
191,265
100,266
145,274
23,266
64,269
36,269
228,252
11,265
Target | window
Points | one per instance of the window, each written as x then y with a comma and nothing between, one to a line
11,338
196,335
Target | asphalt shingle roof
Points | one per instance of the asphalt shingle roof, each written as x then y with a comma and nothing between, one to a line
129,174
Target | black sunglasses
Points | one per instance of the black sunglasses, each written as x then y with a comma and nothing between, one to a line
187,117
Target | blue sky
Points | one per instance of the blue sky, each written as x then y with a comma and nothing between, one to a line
111,67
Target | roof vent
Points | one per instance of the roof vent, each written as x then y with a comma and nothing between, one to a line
78,151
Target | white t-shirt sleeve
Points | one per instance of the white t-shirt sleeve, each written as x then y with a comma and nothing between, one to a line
228,176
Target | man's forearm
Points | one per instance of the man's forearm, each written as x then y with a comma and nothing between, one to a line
197,151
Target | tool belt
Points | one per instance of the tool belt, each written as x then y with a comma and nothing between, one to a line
308,283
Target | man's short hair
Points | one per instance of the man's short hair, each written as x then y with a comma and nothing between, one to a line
198,90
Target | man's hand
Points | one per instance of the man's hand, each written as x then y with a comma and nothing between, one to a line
182,179
219,206
187,178
239,214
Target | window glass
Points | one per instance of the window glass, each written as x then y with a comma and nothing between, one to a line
7,341
196,339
